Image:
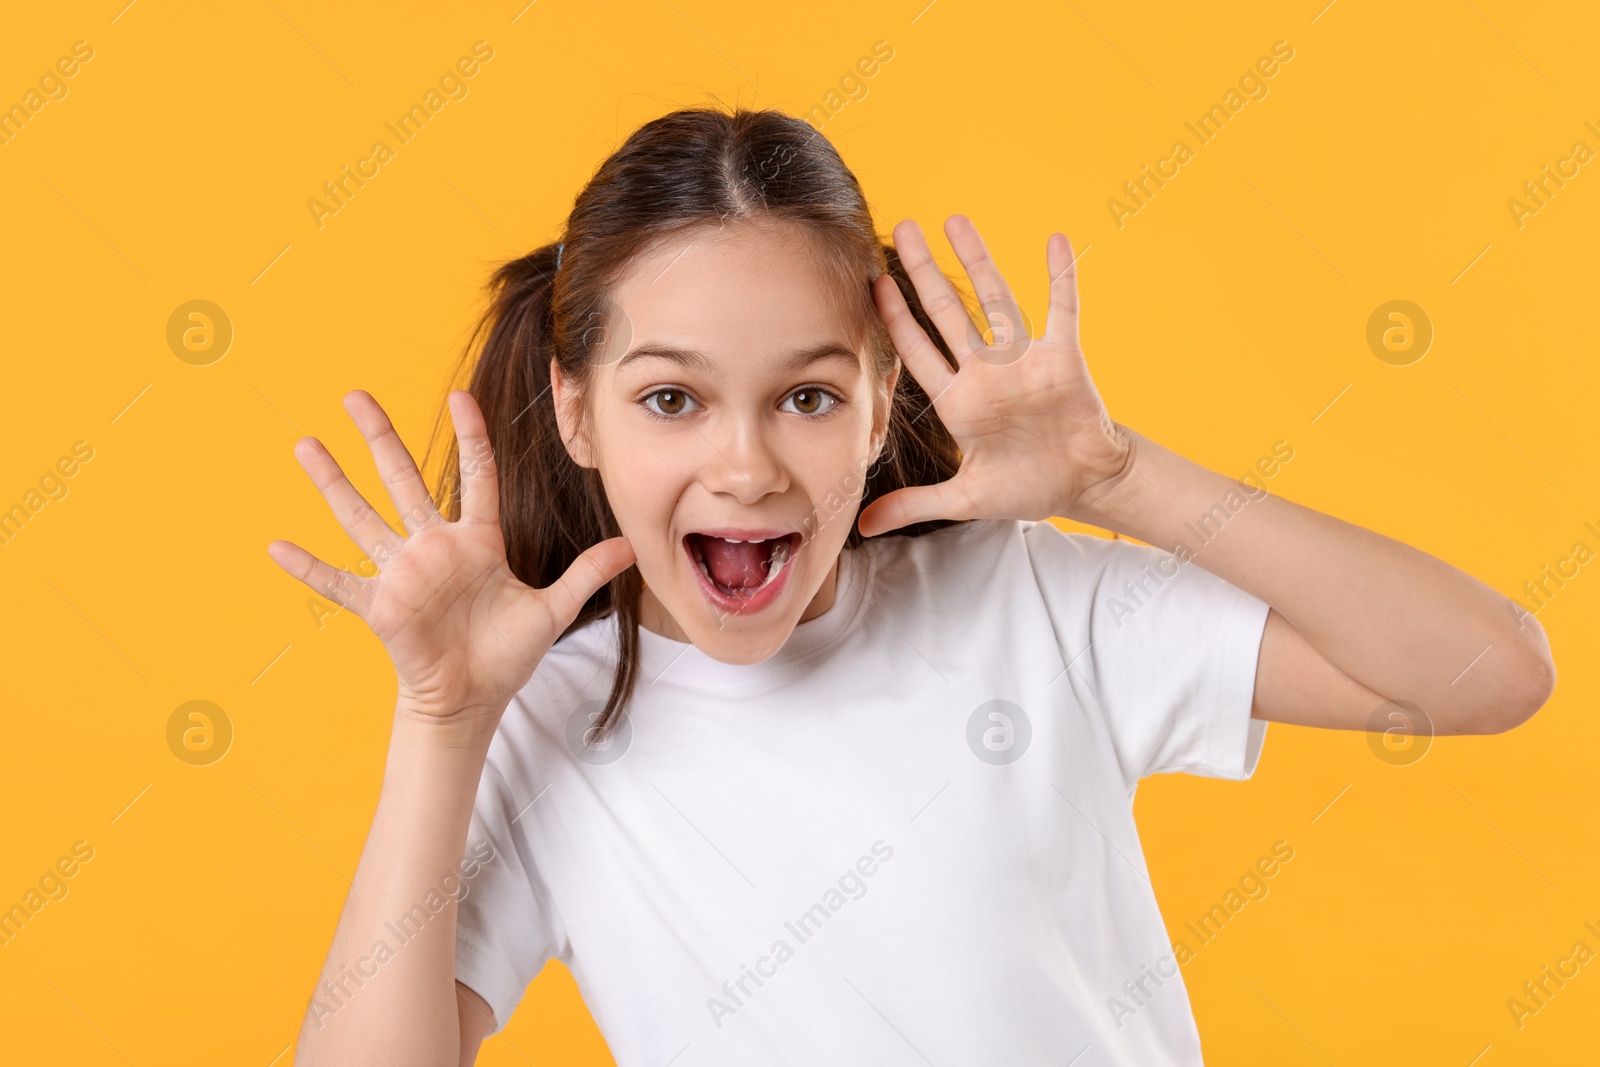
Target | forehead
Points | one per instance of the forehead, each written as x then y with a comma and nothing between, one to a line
738,287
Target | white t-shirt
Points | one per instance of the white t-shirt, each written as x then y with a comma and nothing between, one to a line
906,836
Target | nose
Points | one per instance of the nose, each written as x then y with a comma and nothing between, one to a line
745,462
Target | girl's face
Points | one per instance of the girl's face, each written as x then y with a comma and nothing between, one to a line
732,416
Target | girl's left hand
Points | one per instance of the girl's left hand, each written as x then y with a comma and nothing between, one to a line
1035,438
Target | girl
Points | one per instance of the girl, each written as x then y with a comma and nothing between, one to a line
742,675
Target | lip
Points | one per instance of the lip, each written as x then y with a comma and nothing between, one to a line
728,605
737,533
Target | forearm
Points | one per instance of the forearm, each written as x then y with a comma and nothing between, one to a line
1397,620
381,999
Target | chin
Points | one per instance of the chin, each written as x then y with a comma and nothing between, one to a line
738,649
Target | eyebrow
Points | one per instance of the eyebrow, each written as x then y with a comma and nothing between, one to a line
688,357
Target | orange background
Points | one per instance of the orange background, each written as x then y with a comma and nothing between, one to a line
1230,312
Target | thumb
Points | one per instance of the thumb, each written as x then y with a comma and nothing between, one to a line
588,573
917,503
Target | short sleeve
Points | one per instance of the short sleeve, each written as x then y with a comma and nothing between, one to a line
1164,650
506,924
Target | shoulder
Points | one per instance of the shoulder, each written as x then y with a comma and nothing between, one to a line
952,576
984,548
1086,559
1069,571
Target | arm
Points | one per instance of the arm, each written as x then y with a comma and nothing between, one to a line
1357,618
476,1019
401,1009
465,635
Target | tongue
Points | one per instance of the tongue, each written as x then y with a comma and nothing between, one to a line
741,566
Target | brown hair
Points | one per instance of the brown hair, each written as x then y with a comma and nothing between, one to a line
693,167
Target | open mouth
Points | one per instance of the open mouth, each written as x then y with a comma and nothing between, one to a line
740,570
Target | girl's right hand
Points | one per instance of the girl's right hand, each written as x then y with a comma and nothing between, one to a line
463,632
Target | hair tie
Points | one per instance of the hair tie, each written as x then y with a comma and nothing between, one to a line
559,247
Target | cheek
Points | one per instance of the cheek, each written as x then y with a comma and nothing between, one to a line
644,476
843,453
832,470
643,485
833,479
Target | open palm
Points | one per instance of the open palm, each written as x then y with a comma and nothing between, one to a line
463,632
1035,438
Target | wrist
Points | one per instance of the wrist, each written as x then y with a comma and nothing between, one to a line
1152,496
1113,499
465,730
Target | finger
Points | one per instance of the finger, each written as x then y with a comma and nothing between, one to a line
400,475
480,481
918,503
1061,324
917,351
939,298
970,248
343,588
594,568
365,526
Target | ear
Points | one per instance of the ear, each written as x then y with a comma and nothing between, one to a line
569,417
880,429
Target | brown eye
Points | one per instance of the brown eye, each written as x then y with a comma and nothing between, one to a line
667,402
812,401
